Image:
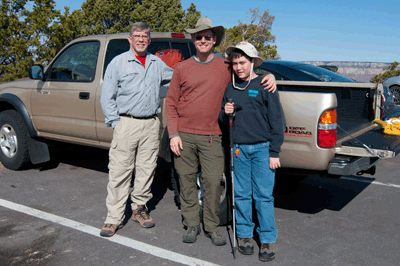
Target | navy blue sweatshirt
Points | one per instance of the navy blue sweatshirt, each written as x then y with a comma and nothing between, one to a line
261,118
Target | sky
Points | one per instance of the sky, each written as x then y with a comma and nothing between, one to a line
311,30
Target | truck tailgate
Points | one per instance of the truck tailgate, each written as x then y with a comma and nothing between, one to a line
355,101
379,144
302,112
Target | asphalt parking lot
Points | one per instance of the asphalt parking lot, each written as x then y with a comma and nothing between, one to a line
52,215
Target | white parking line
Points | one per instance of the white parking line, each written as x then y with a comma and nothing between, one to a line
364,180
143,247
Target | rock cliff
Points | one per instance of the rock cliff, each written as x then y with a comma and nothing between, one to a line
360,71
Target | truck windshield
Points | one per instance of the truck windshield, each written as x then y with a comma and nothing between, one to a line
322,74
118,46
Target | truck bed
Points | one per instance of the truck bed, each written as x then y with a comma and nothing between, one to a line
355,103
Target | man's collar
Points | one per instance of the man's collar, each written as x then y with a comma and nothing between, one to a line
198,61
132,57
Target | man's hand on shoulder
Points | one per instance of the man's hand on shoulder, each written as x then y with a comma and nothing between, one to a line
269,83
176,145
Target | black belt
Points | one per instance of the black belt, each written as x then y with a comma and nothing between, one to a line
139,117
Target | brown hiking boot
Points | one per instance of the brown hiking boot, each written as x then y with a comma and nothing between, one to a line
245,246
190,236
141,216
110,229
216,238
267,252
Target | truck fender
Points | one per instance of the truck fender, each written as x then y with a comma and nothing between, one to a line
38,151
21,108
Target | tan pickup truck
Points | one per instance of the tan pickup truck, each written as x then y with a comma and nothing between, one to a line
62,103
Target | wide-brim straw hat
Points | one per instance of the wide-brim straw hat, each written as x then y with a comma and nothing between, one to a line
248,49
206,24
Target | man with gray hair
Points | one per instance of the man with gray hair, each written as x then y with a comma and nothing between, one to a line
130,102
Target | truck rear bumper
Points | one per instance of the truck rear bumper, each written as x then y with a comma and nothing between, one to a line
349,165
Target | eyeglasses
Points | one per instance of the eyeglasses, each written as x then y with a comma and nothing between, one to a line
144,37
199,38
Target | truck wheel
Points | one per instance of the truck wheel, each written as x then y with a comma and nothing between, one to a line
14,152
395,90
225,213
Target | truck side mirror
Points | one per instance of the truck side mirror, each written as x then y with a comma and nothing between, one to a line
36,72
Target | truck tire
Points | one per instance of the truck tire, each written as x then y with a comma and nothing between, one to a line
14,138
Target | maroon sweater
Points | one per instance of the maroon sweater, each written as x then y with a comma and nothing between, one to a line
194,96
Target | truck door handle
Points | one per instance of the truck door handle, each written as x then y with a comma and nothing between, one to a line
84,95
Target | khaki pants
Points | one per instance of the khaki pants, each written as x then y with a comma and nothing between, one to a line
198,149
134,147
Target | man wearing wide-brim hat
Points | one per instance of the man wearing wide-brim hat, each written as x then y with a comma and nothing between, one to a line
192,107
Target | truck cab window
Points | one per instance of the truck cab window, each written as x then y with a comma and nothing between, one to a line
156,46
115,47
183,47
192,49
76,63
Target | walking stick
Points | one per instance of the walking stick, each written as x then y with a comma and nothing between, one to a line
233,187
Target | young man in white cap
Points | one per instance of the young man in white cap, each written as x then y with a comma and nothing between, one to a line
192,107
258,133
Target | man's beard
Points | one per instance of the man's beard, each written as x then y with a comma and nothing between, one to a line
140,50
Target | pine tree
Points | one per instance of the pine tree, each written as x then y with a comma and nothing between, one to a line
42,23
106,16
15,56
190,19
391,71
38,34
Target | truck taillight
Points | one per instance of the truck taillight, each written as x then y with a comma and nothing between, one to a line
383,100
327,133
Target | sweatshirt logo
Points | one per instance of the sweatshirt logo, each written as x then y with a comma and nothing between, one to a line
253,93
